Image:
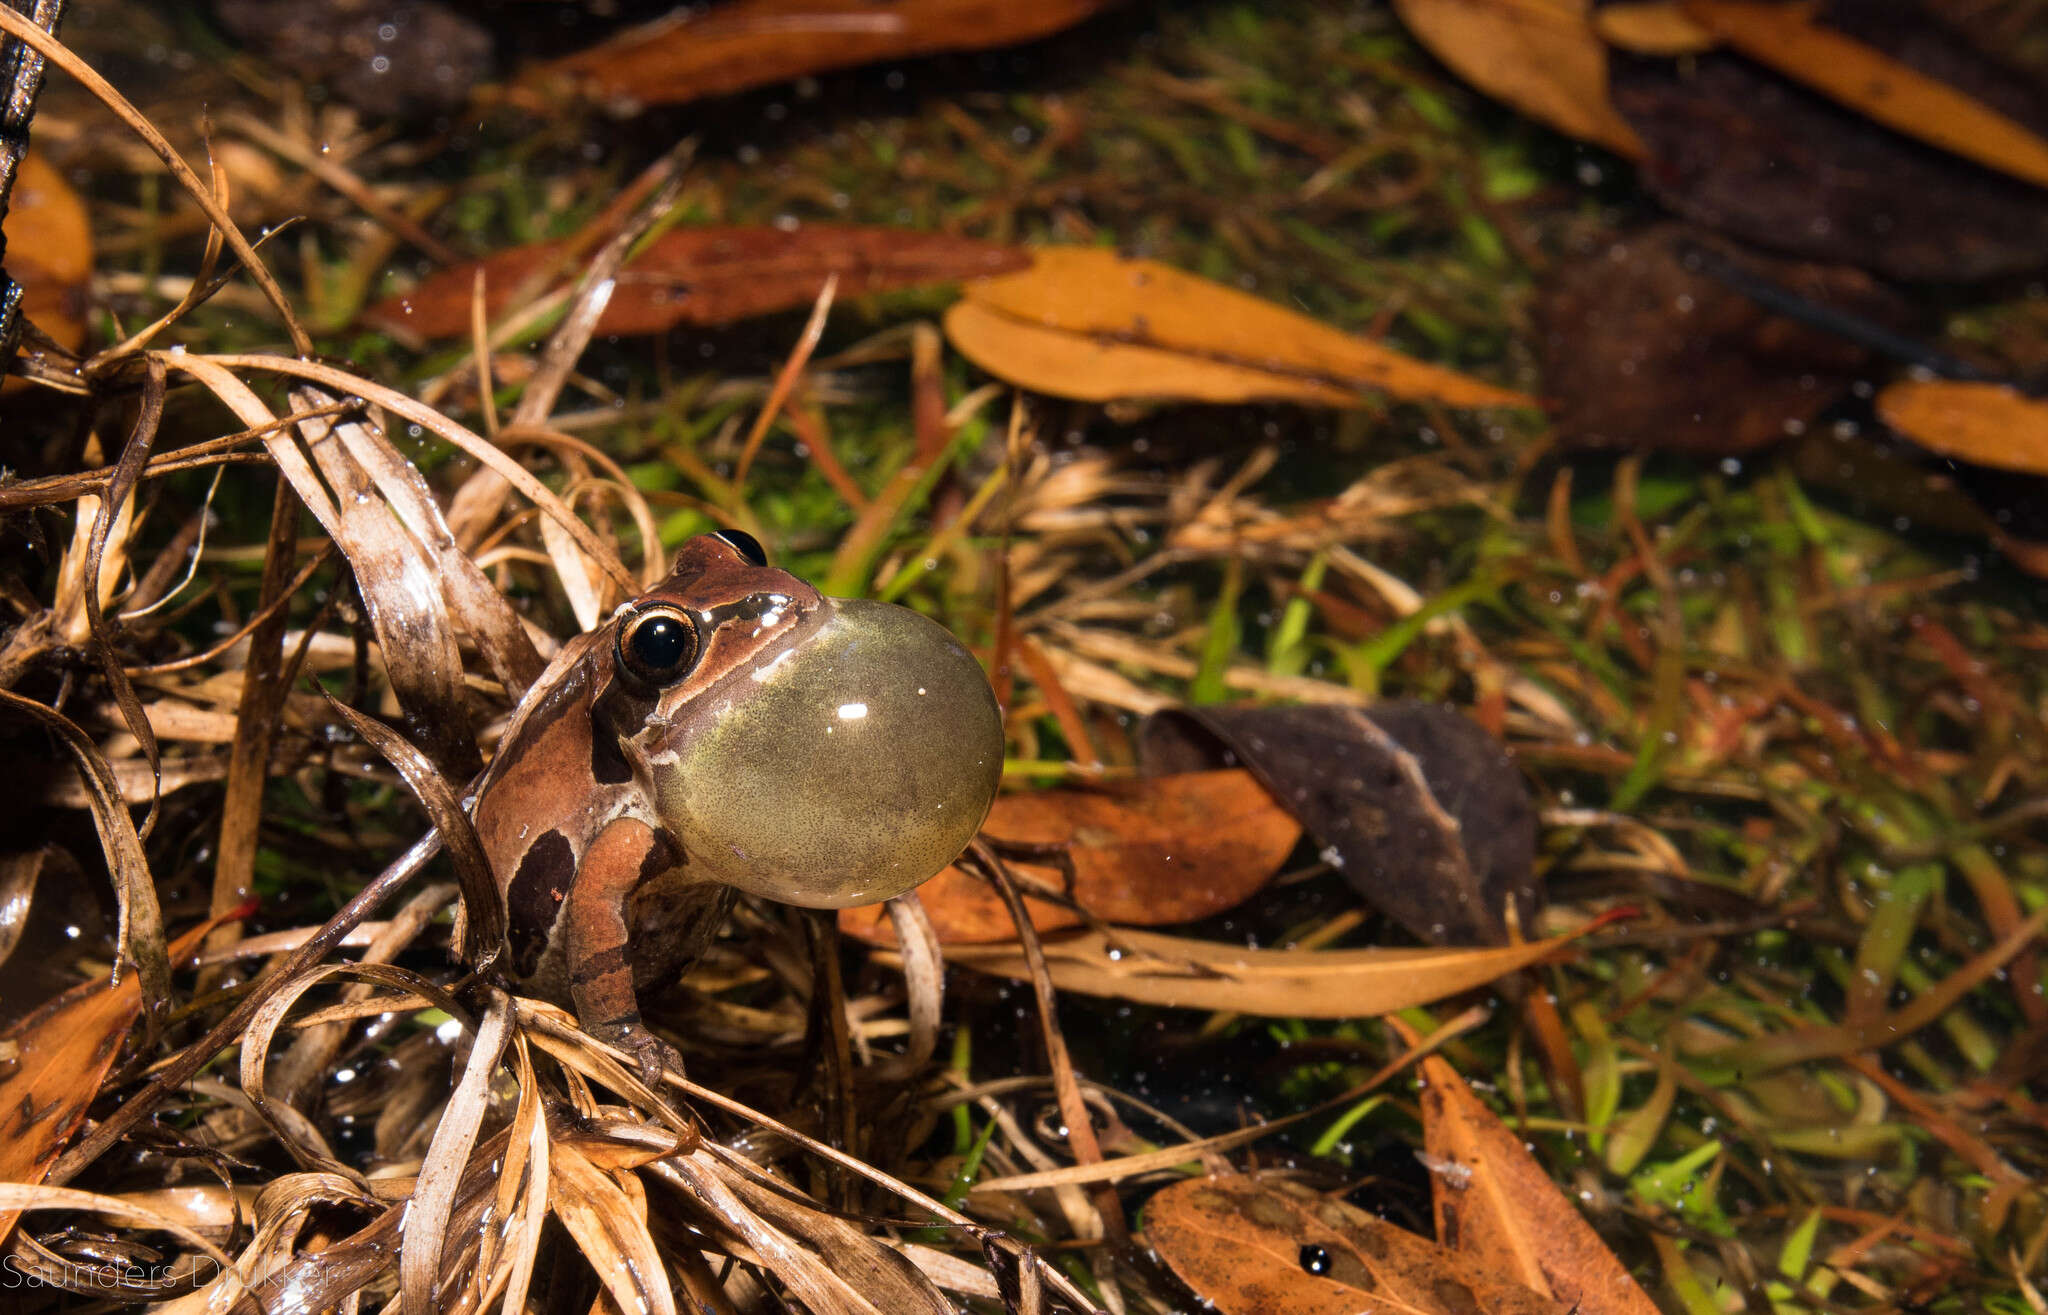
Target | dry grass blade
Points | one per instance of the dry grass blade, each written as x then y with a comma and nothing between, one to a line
140,934
474,602
611,1230
924,981
111,508
785,381
476,504
1190,974
610,481
1108,1216
886,1281
280,1214
180,1068
400,587
481,923
423,1234
51,49
264,687
304,1068
294,1129
16,1198
399,582
556,1034
809,1277
202,286
472,443
19,873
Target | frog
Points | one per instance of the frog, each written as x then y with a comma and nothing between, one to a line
730,731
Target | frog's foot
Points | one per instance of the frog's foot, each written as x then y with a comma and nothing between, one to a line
648,1053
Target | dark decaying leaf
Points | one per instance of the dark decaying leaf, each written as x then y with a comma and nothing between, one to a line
1266,1246
695,52
1495,1203
1747,153
1420,808
1146,853
1644,346
2010,509
404,57
704,276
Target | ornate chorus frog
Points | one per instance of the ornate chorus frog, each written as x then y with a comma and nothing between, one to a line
733,729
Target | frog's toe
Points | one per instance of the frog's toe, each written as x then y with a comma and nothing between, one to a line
649,1054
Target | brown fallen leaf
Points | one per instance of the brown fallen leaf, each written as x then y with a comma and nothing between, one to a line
1748,153
1645,348
49,251
1183,973
1985,424
749,43
1418,806
1093,325
1541,57
1162,850
1496,1204
63,1052
706,276
1267,1246
1656,28
1785,37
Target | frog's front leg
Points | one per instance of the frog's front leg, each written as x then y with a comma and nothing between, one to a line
625,853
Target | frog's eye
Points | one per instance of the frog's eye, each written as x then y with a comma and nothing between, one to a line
745,544
657,647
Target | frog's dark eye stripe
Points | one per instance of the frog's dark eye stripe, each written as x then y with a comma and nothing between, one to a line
745,544
657,647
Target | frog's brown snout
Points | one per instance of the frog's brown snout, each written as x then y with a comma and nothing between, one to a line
849,769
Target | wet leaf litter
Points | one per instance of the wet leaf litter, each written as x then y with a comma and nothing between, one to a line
1503,689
